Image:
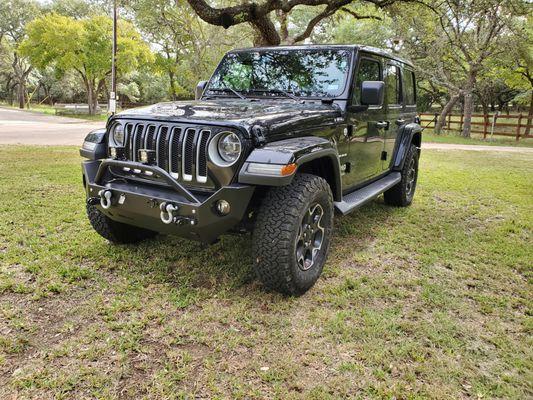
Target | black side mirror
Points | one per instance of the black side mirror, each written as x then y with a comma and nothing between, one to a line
372,93
199,91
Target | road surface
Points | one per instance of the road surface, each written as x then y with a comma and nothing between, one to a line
475,147
24,127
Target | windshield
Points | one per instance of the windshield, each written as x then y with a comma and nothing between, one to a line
307,73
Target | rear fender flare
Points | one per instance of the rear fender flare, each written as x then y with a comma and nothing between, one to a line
405,138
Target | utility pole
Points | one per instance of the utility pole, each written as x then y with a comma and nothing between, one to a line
113,95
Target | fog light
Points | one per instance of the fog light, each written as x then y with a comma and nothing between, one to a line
117,152
223,207
146,156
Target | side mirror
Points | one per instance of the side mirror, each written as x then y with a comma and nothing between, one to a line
199,91
372,93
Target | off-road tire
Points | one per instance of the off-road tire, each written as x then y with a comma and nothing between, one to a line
114,231
277,234
401,195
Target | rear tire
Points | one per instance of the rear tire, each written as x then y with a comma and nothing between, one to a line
116,232
292,234
401,195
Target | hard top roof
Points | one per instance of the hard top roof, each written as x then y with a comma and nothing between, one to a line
369,49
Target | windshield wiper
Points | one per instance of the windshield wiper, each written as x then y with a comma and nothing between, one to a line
283,92
228,89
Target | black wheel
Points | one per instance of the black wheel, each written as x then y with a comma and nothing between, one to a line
292,234
401,195
116,232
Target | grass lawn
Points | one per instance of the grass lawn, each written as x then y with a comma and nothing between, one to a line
432,301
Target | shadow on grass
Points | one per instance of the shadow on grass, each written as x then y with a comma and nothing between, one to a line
226,265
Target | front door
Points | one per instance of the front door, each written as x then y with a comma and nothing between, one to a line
365,128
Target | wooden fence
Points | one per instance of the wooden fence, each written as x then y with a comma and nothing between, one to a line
514,125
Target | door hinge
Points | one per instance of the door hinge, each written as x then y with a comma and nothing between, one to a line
383,155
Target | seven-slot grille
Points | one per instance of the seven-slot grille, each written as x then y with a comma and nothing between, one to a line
180,150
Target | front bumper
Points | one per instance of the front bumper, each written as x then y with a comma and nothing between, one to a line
138,203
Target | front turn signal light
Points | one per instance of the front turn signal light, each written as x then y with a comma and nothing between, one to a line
288,169
272,169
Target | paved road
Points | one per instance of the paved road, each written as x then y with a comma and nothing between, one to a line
23,127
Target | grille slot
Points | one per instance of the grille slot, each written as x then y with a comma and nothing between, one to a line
149,140
201,156
174,153
128,139
138,141
188,154
162,148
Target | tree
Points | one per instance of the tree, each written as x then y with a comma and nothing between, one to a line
187,46
14,15
267,32
454,42
84,46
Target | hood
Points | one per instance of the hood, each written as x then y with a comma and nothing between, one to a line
276,115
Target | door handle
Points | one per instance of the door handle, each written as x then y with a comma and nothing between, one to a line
382,125
400,121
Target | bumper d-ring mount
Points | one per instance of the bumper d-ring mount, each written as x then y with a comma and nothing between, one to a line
167,212
105,198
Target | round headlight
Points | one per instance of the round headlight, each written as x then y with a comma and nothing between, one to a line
117,133
229,147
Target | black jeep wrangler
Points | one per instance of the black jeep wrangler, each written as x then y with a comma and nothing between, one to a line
275,141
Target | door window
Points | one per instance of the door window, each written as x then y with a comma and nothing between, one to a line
393,90
369,70
409,87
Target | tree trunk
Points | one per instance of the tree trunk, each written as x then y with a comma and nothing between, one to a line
530,113
172,85
469,104
445,111
90,98
21,91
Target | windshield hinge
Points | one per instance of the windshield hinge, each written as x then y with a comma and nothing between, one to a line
259,135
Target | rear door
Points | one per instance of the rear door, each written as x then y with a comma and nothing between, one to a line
394,109
365,126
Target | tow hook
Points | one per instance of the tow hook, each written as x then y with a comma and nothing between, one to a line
167,212
105,198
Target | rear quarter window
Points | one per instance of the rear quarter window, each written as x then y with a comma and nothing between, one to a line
409,87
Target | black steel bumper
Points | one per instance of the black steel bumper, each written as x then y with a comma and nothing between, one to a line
138,203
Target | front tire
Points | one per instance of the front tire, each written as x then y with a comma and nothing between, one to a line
116,232
292,234
401,195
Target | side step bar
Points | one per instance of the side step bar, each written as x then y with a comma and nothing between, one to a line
361,196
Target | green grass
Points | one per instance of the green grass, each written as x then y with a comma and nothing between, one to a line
50,110
431,301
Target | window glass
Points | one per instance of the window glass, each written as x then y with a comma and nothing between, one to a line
307,73
392,85
368,71
409,84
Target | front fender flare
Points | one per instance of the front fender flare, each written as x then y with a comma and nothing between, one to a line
297,151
